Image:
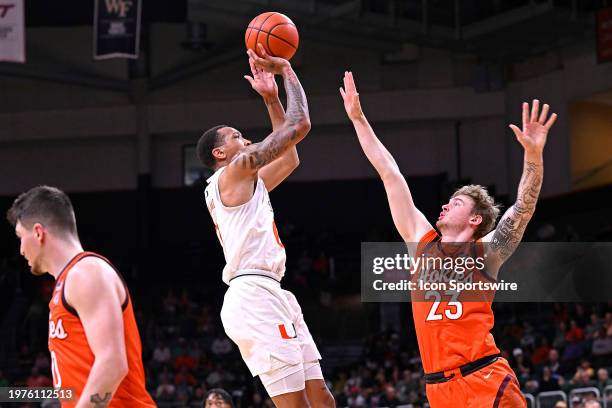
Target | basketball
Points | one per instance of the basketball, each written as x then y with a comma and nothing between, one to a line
276,33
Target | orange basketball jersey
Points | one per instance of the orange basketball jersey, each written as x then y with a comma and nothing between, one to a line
450,332
71,357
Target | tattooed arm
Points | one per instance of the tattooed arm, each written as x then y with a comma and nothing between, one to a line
265,85
237,181
504,239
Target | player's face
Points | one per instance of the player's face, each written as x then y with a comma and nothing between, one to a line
30,246
215,401
234,142
456,214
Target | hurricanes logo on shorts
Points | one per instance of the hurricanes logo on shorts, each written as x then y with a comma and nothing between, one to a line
287,334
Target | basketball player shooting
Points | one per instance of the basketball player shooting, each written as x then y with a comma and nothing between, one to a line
460,359
93,337
264,321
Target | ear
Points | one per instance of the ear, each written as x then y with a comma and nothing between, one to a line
475,219
218,153
39,232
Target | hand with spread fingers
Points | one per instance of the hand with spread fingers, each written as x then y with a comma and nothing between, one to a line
350,96
535,129
267,63
262,82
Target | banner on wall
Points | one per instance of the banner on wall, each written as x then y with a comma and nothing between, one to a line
12,31
116,28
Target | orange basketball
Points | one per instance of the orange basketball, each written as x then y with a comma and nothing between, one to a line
276,32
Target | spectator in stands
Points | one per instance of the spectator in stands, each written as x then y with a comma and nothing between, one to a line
560,404
184,359
580,315
560,336
554,364
42,362
221,346
528,338
165,391
531,386
549,381
522,366
581,379
593,327
575,333
218,398
161,354
184,377
592,404
540,354
602,345
389,398
603,380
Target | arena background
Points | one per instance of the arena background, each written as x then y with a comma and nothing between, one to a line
439,80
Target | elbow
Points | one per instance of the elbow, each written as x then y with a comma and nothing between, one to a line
295,163
117,367
123,369
302,127
390,173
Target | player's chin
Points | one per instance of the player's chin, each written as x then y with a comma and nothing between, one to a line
36,270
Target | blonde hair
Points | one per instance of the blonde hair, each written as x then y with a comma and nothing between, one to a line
484,205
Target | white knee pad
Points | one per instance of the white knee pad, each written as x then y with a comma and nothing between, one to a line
312,370
284,380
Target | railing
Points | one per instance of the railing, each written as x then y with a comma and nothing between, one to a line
589,392
548,399
531,402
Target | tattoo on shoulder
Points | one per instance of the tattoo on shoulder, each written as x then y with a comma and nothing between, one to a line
101,402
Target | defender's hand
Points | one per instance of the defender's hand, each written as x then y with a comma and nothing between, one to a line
273,65
350,96
262,82
535,127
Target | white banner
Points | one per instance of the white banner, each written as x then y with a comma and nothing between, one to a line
12,31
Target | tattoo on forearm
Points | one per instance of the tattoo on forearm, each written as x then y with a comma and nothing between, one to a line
511,227
297,107
100,402
274,145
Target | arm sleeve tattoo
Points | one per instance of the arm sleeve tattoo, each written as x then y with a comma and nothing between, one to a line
260,154
511,227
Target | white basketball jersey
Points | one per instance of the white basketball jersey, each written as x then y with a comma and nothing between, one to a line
247,233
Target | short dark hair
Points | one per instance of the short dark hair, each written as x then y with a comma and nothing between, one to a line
46,205
221,393
208,141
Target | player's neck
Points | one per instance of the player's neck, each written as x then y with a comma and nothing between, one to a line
457,236
60,254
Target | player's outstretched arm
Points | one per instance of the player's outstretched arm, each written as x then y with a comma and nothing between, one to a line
265,85
91,292
294,128
505,238
409,221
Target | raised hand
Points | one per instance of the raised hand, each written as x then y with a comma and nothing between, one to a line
267,63
350,96
535,129
262,82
